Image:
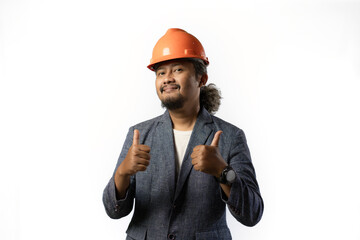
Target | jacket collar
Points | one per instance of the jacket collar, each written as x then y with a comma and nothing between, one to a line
203,116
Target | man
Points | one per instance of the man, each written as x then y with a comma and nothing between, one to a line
183,167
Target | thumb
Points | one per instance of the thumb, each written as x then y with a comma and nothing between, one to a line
136,137
216,139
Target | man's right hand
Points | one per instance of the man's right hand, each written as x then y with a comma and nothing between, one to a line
137,158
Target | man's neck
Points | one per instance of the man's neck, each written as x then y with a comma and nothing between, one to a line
184,119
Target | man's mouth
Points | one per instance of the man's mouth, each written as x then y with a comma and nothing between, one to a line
169,88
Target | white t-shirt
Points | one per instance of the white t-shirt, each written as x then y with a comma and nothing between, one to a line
181,139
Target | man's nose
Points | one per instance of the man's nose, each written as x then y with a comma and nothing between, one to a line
169,78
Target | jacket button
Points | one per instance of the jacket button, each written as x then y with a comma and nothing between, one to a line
171,236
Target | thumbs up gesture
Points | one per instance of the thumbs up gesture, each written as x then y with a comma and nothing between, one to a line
208,159
137,158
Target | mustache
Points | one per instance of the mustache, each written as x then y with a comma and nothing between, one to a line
171,85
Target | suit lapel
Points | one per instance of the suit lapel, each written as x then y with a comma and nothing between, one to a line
199,136
167,153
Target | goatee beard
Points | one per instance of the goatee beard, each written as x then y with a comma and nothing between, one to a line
173,104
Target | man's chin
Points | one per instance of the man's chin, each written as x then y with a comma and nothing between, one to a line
173,104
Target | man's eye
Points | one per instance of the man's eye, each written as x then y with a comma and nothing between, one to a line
160,73
178,70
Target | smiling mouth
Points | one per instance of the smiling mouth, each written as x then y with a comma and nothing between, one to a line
169,88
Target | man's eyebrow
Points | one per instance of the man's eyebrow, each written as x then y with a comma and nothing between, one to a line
159,68
176,64
172,65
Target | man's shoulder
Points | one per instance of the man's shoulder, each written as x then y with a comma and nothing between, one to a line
231,133
148,123
226,126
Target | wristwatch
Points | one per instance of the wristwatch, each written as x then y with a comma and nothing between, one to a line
227,176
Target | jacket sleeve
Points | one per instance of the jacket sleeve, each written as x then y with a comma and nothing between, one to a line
245,202
117,208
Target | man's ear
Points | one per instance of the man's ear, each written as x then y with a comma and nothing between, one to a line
203,80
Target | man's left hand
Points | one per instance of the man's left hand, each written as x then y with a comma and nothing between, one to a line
208,159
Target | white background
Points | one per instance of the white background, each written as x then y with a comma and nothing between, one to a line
74,79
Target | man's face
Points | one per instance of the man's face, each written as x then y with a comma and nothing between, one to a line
177,84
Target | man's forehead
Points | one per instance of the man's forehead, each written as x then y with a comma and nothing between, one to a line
172,63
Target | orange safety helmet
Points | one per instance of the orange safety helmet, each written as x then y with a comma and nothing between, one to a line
177,43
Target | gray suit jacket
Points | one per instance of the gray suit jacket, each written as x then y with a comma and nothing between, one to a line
191,206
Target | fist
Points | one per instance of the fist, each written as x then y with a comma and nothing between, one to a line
137,158
208,159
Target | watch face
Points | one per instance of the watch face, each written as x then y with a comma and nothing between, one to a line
230,176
